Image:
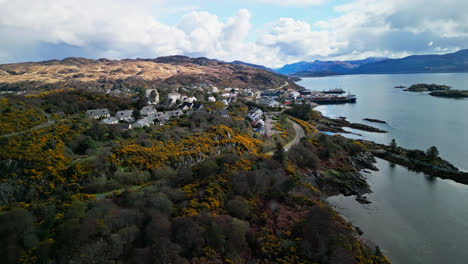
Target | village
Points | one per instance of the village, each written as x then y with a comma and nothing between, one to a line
263,105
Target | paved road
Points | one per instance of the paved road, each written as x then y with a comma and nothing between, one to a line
299,134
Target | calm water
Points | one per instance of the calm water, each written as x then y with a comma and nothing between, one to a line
415,120
414,218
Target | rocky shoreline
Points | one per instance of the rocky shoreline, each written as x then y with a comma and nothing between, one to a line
336,125
422,87
439,168
420,162
451,94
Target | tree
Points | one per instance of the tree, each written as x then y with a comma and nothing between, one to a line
393,145
136,114
153,96
302,111
279,152
238,207
141,102
432,152
208,168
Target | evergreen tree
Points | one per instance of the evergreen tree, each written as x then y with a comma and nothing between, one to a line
393,145
279,152
432,152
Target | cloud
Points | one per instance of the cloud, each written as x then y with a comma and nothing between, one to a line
399,27
293,2
295,39
116,29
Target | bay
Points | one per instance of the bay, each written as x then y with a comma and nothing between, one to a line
413,217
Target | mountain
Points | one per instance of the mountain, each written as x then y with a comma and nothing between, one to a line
170,71
334,67
251,65
452,62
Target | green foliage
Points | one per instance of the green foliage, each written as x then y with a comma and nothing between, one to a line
193,191
432,153
207,168
238,207
302,111
279,152
303,155
393,145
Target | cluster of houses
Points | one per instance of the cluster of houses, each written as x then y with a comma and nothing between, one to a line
126,118
184,103
269,98
246,94
149,114
255,116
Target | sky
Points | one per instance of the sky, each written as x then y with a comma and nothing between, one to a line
266,32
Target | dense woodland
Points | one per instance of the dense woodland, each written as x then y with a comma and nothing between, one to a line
198,189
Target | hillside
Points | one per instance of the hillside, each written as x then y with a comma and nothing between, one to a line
195,188
172,71
251,65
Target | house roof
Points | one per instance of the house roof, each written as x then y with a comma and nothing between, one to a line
185,104
98,112
124,113
197,106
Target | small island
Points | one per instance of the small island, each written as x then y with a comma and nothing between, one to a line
451,93
400,87
422,87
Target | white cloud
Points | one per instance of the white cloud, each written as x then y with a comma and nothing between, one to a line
122,29
293,2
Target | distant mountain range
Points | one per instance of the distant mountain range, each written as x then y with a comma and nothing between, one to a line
453,62
336,67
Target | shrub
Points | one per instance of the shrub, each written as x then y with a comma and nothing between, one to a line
132,177
238,207
208,168
303,155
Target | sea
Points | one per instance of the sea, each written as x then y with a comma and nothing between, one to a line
414,218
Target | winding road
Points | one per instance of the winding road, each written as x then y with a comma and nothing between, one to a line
299,134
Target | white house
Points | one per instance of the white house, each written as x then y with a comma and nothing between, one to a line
255,114
126,115
149,97
148,110
173,96
98,113
110,121
270,102
294,94
185,106
211,99
175,113
160,116
189,99
142,123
